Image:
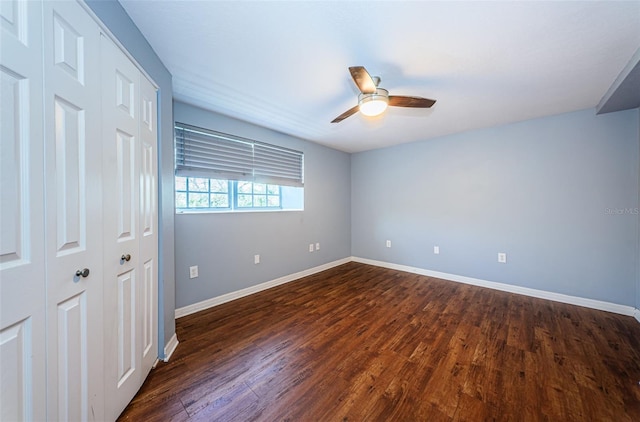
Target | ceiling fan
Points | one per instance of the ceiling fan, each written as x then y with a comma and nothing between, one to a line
373,101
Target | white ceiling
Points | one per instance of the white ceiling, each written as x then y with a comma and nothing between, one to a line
283,64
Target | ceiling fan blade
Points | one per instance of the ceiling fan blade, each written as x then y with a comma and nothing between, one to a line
363,80
353,110
404,101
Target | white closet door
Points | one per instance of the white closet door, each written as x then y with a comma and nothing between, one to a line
148,229
126,271
22,271
73,173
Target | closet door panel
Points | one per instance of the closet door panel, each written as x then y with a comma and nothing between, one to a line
122,291
70,166
22,268
149,222
126,186
149,296
126,347
73,214
72,367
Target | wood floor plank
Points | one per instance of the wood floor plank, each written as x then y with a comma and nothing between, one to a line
358,342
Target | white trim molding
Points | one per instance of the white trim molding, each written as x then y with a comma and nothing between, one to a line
228,297
542,294
170,347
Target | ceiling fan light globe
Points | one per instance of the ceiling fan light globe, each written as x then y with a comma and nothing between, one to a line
373,107
374,104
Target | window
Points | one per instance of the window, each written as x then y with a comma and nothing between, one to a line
220,172
197,193
257,195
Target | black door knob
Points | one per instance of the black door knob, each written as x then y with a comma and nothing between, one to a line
82,273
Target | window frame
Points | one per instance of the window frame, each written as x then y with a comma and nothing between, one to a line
187,191
236,193
232,194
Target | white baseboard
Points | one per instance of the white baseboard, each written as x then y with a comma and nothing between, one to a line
219,300
542,294
170,347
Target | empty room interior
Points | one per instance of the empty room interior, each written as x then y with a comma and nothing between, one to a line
320,210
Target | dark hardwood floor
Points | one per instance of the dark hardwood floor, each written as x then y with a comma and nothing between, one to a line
361,343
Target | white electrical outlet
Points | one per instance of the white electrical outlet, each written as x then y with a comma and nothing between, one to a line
502,257
256,259
318,246
436,250
388,243
193,271
310,247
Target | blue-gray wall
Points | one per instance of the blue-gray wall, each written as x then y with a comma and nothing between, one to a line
638,249
223,244
548,192
111,13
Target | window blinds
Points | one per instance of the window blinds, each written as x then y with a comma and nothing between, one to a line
207,153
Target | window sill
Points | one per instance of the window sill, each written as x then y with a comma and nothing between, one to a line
207,211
